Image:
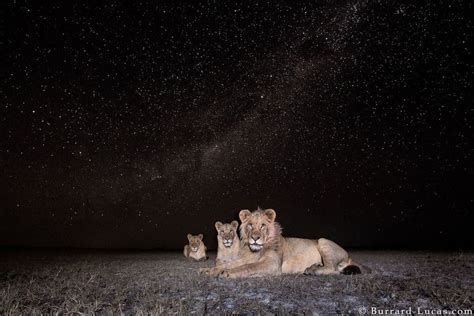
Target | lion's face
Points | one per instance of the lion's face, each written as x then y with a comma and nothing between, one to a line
257,227
195,242
227,232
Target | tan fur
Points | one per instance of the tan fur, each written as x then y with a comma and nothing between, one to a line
265,252
228,242
265,261
196,249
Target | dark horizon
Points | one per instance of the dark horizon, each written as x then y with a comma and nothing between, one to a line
129,126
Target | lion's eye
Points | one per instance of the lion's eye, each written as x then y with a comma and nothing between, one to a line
222,231
249,226
263,226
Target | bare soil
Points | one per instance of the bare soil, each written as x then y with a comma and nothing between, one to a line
154,282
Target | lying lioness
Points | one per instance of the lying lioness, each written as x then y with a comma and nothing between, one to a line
196,249
264,251
228,243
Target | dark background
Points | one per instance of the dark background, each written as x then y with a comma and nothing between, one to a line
132,125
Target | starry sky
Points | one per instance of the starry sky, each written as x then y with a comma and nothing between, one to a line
130,125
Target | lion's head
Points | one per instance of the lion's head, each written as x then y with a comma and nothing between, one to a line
195,242
227,232
259,229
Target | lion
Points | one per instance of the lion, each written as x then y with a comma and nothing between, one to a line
196,249
228,242
265,252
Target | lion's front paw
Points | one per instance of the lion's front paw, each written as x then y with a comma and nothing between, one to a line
313,270
210,271
205,271
224,274
308,271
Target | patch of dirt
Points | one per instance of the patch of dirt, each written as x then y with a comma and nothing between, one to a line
153,282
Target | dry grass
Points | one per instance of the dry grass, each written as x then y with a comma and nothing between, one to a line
144,283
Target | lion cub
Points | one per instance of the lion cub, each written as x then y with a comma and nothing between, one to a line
196,248
228,242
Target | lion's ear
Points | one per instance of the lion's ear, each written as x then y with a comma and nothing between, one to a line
218,226
201,236
271,214
189,237
244,214
234,224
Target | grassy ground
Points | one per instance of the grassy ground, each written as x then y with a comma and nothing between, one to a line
153,282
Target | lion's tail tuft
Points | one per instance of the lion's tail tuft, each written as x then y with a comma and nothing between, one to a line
351,269
355,268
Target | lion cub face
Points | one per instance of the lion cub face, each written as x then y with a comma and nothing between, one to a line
195,242
226,233
257,227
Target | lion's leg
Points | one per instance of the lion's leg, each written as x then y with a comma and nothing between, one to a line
234,264
333,256
255,269
210,271
186,251
221,267
341,258
316,269
215,270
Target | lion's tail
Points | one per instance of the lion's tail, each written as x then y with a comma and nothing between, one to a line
355,268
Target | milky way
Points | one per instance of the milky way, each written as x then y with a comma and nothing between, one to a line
132,126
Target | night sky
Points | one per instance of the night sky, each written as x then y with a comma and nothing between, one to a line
132,125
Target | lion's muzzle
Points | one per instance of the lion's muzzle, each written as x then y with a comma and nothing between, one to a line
255,243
